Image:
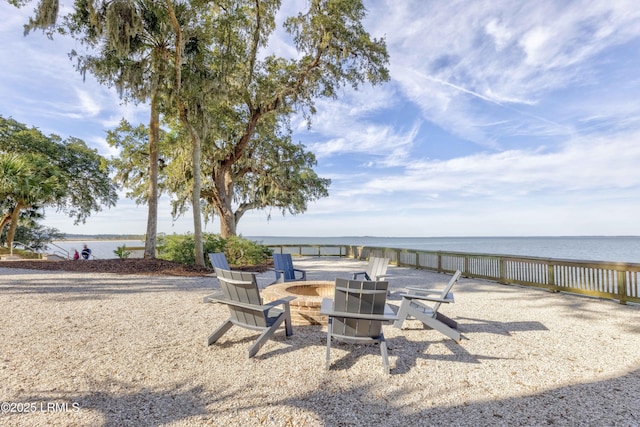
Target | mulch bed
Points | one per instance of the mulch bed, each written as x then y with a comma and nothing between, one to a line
122,266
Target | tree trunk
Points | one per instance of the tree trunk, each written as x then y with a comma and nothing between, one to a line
15,215
227,224
5,220
195,199
195,139
222,200
152,217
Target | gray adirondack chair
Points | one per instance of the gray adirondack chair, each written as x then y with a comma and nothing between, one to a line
376,269
240,293
356,315
283,266
423,304
219,260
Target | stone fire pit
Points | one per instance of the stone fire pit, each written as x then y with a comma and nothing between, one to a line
305,309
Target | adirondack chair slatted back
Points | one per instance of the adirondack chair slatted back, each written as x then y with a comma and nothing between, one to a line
285,263
219,260
245,292
376,267
363,297
447,289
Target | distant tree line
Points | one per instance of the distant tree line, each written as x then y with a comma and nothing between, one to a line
72,236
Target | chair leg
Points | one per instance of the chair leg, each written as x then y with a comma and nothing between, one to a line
438,325
403,312
215,335
385,354
447,320
287,320
266,334
328,358
454,334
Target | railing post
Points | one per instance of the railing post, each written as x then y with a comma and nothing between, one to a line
551,277
622,286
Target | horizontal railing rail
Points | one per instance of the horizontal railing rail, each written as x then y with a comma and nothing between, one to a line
134,251
614,280
310,250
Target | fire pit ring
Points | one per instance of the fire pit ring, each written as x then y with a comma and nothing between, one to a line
305,309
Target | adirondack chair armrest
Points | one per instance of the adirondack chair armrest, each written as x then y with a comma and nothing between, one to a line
213,297
238,282
281,301
447,299
355,275
303,274
279,275
220,298
326,309
423,290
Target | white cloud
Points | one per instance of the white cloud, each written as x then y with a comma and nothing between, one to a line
532,49
501,34
502,118
89,106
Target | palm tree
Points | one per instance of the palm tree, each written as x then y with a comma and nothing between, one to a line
134,41
26,180
12,166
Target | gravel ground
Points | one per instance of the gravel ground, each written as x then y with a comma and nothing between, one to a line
87,349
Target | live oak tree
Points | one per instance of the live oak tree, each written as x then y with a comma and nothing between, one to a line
233,100
248,158
38,171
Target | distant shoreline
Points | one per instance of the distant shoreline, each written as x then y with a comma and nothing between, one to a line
74,237
90,238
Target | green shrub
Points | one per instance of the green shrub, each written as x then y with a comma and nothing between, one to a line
21,252
241,251
122,252
178,248
212,243
238,250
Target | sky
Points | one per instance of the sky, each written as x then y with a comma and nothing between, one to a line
501,118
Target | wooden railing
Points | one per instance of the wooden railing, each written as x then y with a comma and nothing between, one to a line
135,251
614,280
312,250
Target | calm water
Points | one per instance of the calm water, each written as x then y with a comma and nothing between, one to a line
617,249
101,249
620,249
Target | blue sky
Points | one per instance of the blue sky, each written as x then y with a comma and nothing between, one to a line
501,118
